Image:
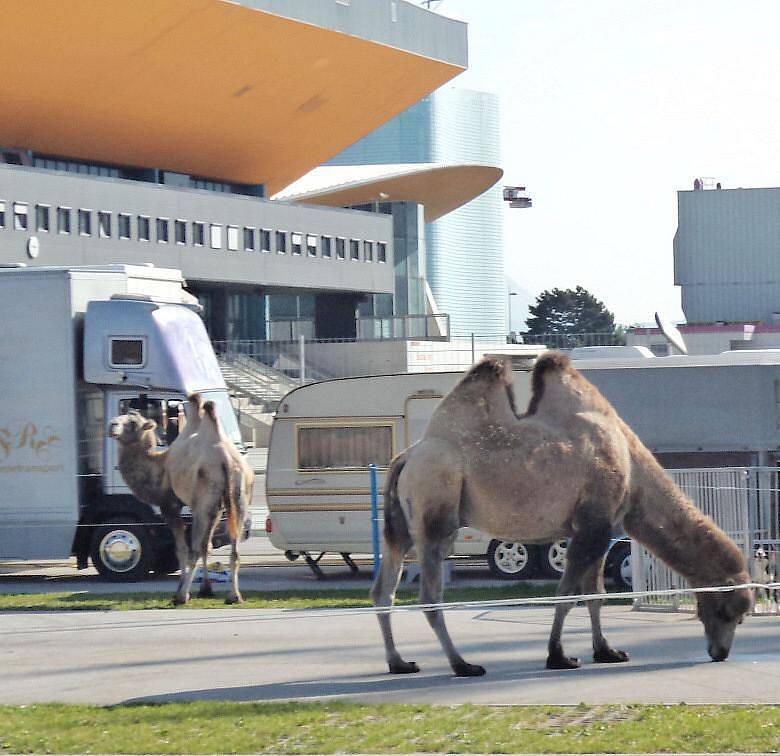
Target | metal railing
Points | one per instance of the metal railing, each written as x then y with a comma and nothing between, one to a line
570,340
743,502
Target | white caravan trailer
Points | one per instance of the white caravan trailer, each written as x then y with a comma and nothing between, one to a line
77,347
324,437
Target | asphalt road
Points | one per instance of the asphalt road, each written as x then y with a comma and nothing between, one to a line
253,655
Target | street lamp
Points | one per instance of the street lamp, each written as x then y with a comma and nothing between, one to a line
510,294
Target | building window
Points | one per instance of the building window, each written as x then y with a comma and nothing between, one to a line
144,228
20,216
123,225
85,222
354,249
297,243
2,214
215,236
265,240
281,242
42,222
232,238
381,252
198,234
341,245
104,225
368,251
180,231
249,239
63,220
163,232
325,242
344,447
311,245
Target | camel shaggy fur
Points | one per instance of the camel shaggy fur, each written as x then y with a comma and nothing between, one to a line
144,469
210,475
568,468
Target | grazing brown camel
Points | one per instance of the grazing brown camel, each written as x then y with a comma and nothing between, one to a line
143,467
568,468
210,475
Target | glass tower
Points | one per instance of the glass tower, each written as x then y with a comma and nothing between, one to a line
464,262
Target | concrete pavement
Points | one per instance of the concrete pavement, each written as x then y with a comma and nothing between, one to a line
254,655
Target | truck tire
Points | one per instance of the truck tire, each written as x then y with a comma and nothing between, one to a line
510,560
122,553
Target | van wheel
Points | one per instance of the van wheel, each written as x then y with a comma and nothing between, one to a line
122,554
510,560
554,558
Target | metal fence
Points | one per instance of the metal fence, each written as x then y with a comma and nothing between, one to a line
743,501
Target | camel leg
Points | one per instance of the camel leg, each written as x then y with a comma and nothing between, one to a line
431,556
200,534
204,539
176,524
383,594
593,582
586,551
234,597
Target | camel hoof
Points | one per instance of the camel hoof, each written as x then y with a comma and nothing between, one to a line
179,600
609,656
464,669
403,668
559,661
234,600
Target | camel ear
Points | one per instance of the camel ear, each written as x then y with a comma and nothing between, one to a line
149,425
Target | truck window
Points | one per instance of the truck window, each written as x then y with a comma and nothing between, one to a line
164,412
341,447
127,352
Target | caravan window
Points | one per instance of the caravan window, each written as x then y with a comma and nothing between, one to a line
344,447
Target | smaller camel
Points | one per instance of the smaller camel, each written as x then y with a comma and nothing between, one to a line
210,475
568,468
143,467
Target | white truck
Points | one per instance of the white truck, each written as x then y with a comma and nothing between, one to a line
78,346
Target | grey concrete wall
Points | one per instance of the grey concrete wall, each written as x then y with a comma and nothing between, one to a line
272,270
396,23
725,254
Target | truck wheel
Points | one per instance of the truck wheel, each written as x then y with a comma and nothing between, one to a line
122,554
510,560
619,566
554,558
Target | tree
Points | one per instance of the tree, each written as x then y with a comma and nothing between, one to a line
570,312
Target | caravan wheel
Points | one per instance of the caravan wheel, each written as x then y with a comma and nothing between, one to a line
510,560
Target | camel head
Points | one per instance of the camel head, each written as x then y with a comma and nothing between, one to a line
132,428
720,614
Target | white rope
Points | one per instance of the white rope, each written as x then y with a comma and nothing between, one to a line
511,602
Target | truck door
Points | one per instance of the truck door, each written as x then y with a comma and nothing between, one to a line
162,408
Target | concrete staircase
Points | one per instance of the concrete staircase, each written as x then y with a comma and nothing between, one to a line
260,385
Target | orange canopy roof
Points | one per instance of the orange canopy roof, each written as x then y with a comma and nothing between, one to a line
205,87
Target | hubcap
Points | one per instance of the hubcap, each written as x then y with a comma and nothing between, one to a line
120,550
625,569
511,557
556,556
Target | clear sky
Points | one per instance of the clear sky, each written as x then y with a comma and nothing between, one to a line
608,107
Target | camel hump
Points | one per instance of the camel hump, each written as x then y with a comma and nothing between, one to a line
194,399
551,362
210,410
491,369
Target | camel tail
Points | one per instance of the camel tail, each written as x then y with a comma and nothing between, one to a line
396,530
230,500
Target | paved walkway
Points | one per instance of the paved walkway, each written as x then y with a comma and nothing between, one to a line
254,655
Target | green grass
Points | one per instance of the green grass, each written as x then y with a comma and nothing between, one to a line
291,599
291,728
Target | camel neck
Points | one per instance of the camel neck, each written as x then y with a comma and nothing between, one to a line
665,521
144,472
